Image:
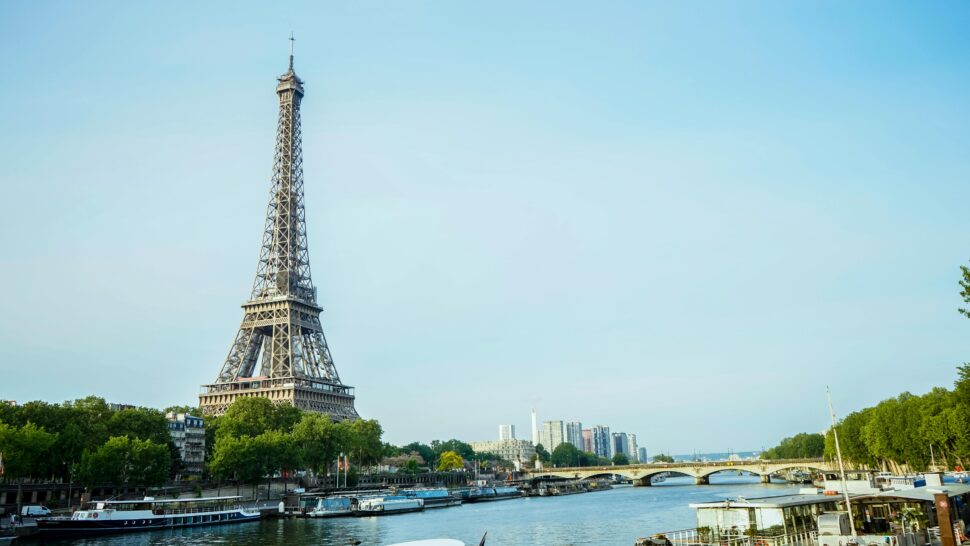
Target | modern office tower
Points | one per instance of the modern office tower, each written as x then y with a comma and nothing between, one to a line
552,435
631,449
602,441
620,444
535,428
574,434
506,432
642,455
588,440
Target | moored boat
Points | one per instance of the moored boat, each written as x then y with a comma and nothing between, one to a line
386,506
147,514
331,507
437,497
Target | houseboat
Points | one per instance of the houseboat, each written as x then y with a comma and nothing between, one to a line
127,516
386,506
331,507
438,497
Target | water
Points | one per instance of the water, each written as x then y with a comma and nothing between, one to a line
616,517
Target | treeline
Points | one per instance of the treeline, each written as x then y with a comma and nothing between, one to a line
903,430
799,446
256,439
88,442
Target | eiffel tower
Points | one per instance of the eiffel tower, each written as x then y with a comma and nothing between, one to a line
281,336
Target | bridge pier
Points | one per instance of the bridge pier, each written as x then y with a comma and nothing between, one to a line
643,482
766,478
702,480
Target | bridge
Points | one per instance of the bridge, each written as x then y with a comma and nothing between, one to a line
700,471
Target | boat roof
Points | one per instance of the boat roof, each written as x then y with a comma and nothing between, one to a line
922,493
167,501
781,501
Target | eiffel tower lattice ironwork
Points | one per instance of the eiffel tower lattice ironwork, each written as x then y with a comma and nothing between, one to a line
281,337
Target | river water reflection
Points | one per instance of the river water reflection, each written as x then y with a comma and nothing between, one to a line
607,518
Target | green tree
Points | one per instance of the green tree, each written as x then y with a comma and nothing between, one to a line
250,416
565,454
965,289
620,459
123,461
464,450
799,446
450,460
26,450
317,441
542,454
661,458
425,451
361,439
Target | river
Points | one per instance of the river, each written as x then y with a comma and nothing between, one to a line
616,517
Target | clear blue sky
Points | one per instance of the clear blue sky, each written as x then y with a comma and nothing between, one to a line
679,219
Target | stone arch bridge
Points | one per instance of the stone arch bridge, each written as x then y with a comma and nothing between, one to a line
700,471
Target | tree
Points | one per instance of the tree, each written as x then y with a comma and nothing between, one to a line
361,439
123,461
799,446
248,417
423,450
316,439
542,454
450,460
565,454
461,448
620,459
26,450
965,292
663,458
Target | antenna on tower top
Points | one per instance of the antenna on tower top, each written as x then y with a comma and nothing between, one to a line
292,40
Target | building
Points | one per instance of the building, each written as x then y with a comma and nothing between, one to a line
506,432
602,441
621,444
642,455
631,448
552,435
588,440
188,435
535,429
574,434
510,450
279,351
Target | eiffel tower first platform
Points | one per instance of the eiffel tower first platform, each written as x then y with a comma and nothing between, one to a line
281,337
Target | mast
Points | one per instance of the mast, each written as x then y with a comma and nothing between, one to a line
838,453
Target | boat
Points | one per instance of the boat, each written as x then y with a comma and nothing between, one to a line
386,506
147,514
331,507
486,494
438,497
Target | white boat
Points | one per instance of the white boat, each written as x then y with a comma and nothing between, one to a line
385,506
127,516
332,507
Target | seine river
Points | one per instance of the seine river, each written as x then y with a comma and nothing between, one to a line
616,517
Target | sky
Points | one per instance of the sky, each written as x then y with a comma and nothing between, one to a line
682,220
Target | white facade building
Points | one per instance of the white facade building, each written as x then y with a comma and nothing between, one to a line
506,432
574,434
552,435
510,450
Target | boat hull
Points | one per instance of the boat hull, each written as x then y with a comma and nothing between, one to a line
69,528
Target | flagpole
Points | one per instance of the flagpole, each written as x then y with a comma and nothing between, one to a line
838,452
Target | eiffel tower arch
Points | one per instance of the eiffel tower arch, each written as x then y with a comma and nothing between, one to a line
280,352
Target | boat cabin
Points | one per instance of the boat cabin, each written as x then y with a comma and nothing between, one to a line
764,516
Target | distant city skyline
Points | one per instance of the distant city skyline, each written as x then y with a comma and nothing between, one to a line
707,211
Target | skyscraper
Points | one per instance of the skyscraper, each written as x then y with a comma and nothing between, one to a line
621,444
574,434
602,441
535,429
631,449
642,455
506,432
552,435
588,440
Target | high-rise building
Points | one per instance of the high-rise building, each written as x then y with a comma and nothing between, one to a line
621,444
535,429
642,455
588,440
552,435
574,434
631,449
280,352
602,441
506,432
